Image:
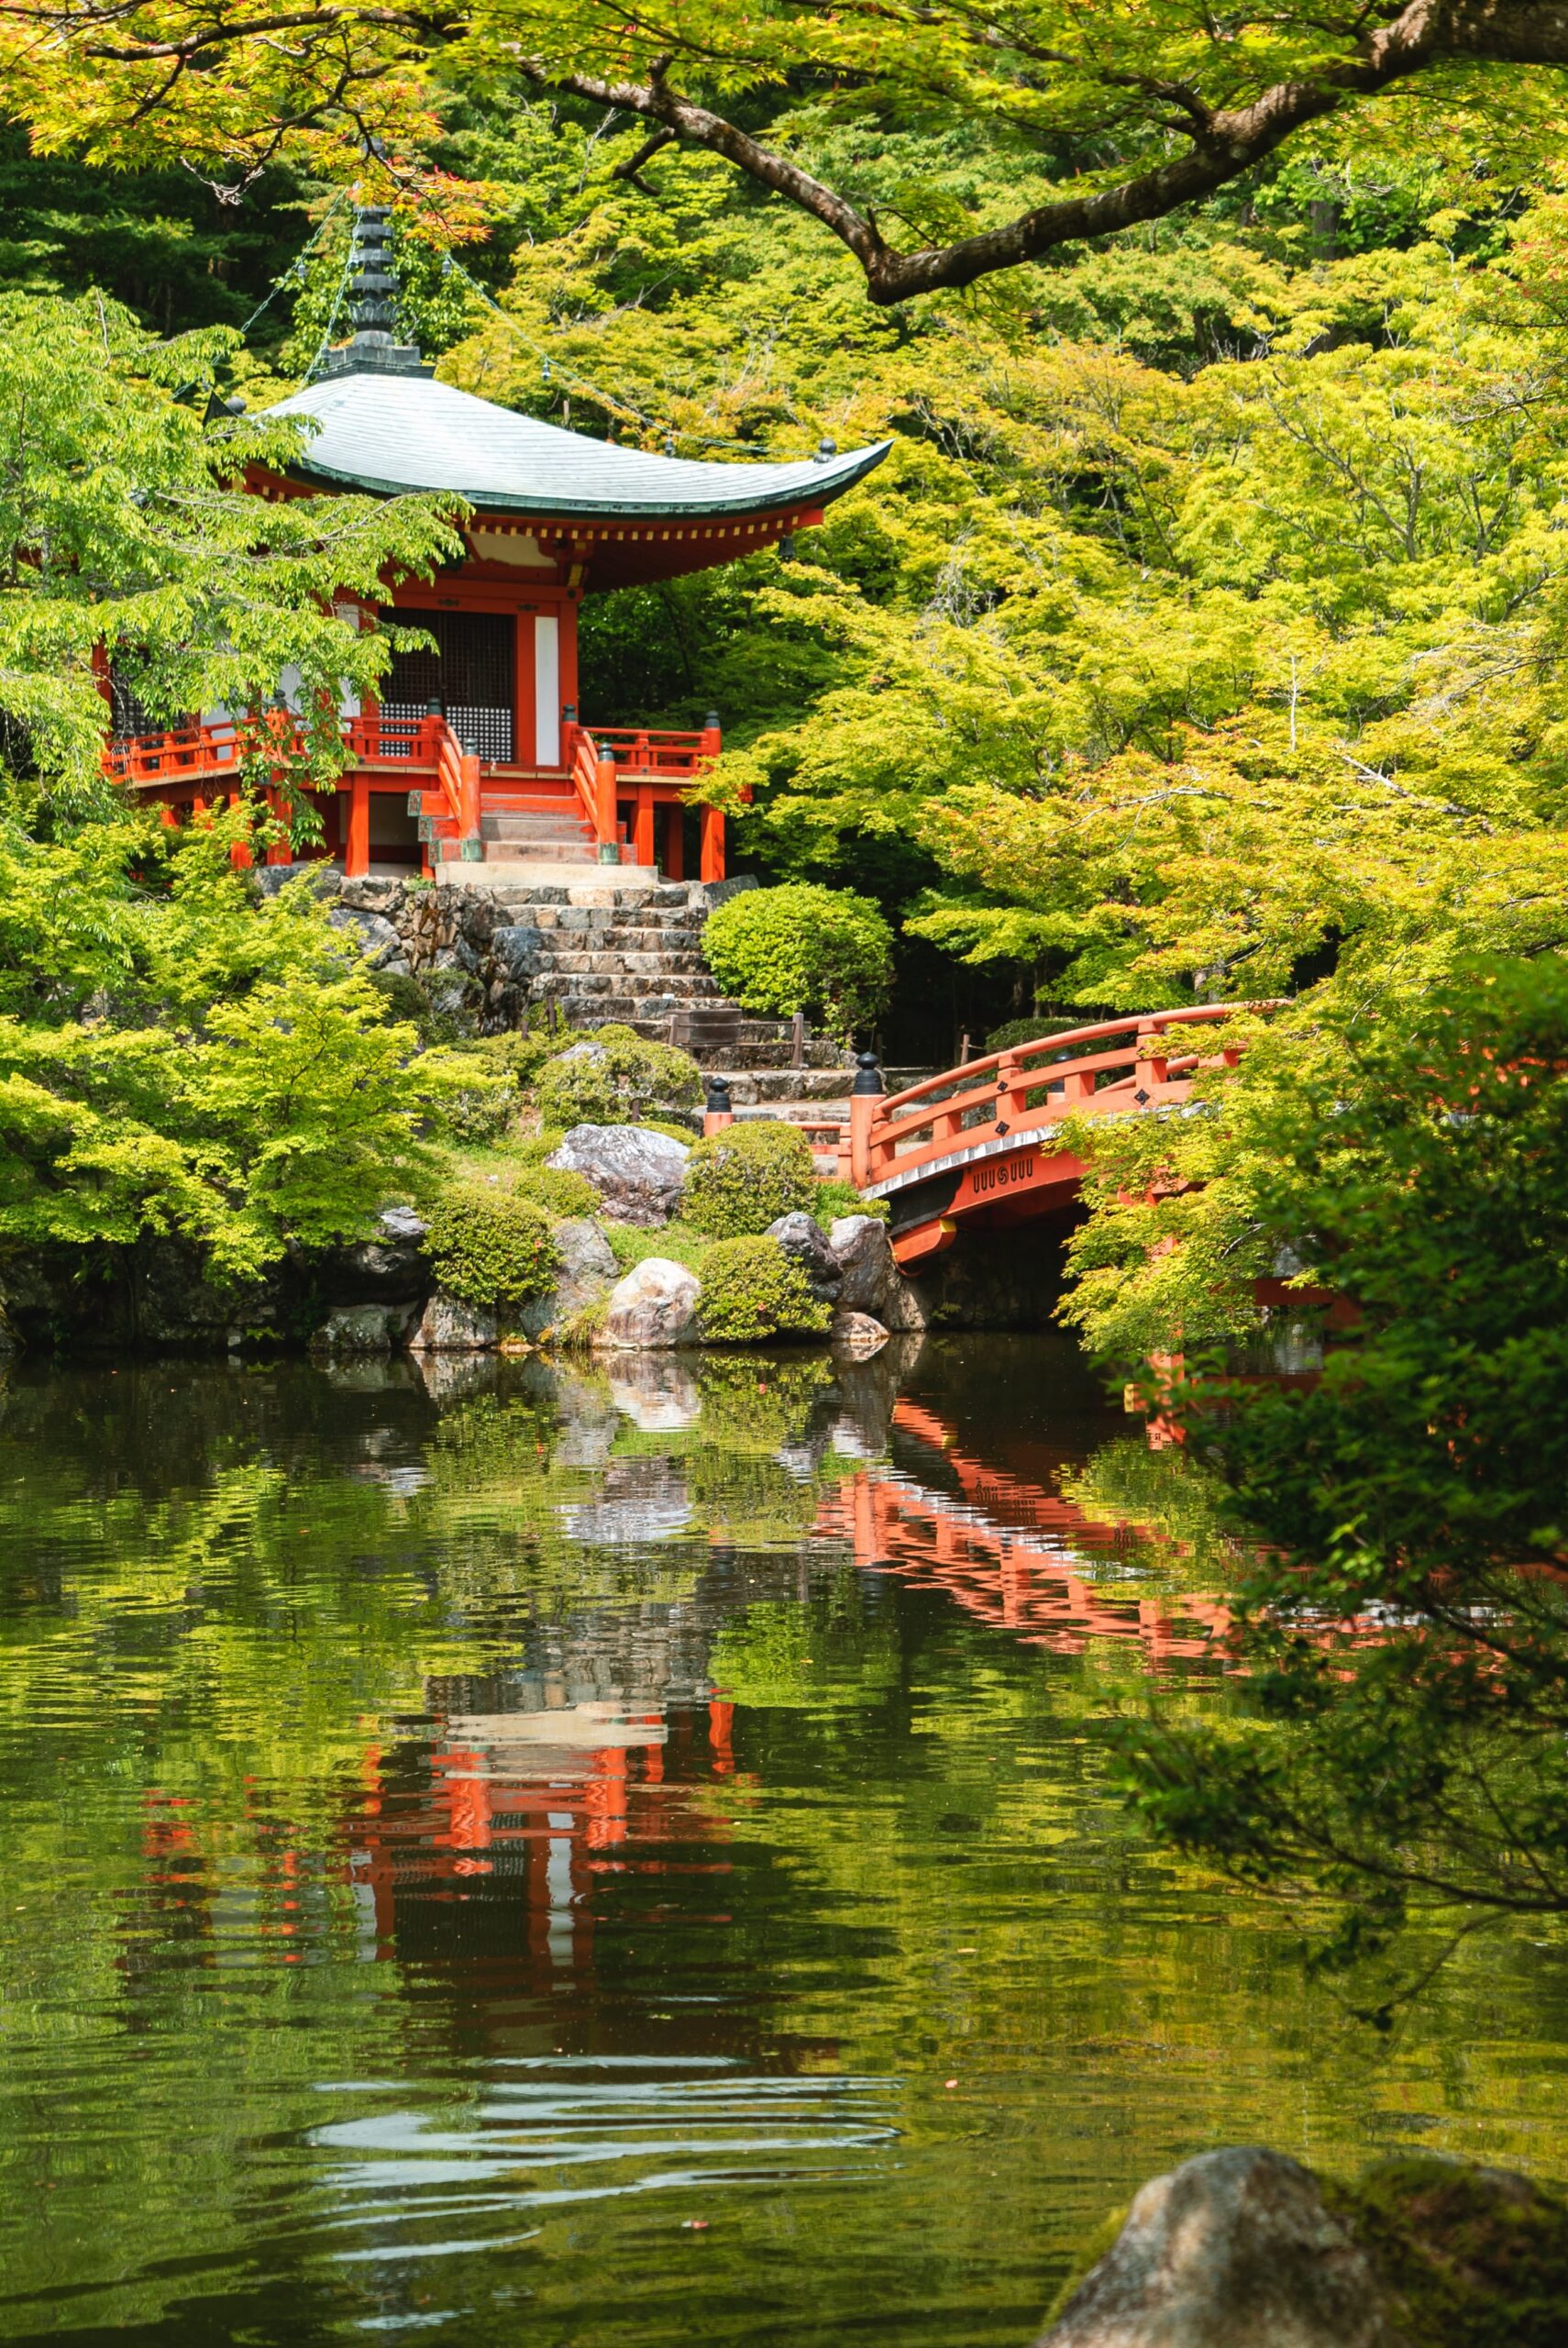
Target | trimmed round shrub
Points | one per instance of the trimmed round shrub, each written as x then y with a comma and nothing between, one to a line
802,947
490,1246
742,1178
751,1291
616,1079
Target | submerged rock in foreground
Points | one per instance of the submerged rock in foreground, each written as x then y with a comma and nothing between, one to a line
1244,2248
1232,2250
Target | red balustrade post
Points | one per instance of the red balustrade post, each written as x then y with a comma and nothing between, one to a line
1149,1069
605,822
240,854
710,860
711,865
469,799
865,1097
643,834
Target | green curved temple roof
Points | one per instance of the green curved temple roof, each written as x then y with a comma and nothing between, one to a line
390,434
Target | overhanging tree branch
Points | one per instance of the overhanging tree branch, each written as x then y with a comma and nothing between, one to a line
1215,143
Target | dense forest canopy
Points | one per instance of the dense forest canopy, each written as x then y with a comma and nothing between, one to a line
1105,117
1201,634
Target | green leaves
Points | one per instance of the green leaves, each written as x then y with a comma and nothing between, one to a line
1399,1631
803,948
174,1057
128,537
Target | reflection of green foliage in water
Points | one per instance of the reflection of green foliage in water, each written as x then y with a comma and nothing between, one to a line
216,1595
1169,1508
829,1655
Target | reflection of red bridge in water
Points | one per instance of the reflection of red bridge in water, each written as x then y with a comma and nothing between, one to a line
563,1796
528,1812
1010,1553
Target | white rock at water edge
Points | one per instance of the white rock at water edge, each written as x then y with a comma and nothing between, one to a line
1232,2250
655,1304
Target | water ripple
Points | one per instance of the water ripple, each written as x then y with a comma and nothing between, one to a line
638,2125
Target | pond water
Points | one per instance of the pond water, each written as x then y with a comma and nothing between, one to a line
556,1856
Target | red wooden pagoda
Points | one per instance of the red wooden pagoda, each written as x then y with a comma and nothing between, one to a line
478,752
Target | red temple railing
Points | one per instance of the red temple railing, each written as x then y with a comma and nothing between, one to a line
651,766
1008,1097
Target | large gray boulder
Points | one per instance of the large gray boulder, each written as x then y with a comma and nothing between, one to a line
655,1304
805,1242
870,1279
351,1329
448,1326
586,1272
1232,2250
639,1175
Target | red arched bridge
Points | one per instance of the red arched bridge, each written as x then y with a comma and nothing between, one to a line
978,1147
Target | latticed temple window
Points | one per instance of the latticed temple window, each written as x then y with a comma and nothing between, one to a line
472,676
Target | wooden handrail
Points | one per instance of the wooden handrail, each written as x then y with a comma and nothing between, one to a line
593,779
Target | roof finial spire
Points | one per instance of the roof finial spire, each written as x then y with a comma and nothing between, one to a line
373,348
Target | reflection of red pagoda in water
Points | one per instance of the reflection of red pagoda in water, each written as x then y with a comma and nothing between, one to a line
553,1799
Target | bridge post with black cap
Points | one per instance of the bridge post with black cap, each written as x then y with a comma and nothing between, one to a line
866,1097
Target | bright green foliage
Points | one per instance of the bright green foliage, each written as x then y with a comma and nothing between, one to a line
1402,1632
752,1290
175,1057
492,1246
1094,121
742,1178
1203,625
483,1114
124,526
617,1079
558,1190
834,1198
803,948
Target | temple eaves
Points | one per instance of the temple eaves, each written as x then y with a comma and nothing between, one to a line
391,435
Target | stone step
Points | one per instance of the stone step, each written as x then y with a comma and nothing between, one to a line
541,824
607,989
597,958
824,1086
543,851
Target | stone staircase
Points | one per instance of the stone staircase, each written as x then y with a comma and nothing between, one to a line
634,956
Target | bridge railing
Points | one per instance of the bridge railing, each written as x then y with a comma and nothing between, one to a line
1112,1065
